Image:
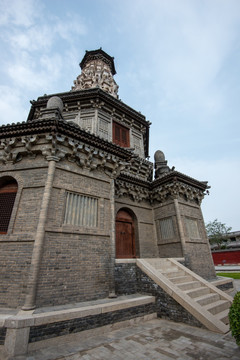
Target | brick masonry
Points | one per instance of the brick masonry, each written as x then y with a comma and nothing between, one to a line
75,261
43,332
74,268
166,307
196,251
225,287
15,259
2,335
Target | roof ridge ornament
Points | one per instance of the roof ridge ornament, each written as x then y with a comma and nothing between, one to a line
97,72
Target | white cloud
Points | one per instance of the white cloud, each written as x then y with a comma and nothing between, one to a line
38,46
186,44
12,109
43,36
37,75
19,12
35,38
71,27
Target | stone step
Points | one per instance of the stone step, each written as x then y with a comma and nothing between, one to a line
207,299
223,316
189,285
163,264
173,273
217,306
168,268
180,279
204,301
193,293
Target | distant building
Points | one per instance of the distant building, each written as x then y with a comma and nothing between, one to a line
231,241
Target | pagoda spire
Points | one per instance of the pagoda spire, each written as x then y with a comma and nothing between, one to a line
97,71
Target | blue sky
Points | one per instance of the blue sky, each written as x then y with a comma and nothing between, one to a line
177,62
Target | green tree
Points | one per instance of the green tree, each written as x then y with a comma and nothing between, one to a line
234,316
217,232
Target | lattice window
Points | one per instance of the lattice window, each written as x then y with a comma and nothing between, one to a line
8,193
192,228
103,129
86,123
120,135
137,144
166,228
81,210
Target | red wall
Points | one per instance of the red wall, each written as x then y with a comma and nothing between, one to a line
226,257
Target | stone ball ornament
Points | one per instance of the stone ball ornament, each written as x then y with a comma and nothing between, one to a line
55,103
159,156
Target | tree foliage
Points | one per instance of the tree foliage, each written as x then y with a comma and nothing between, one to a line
217,232
234,318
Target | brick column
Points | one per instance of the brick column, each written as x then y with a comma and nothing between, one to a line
112,239
180,226
30,300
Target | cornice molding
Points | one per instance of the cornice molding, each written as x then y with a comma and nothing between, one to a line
62,128
58,146
138,190
88,94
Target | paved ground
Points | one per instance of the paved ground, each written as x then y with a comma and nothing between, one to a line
226,268
237,285
154,339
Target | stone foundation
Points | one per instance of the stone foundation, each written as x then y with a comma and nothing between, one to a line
166,306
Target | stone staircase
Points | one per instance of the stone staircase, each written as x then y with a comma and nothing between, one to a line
204,301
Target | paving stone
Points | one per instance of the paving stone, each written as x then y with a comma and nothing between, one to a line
155,339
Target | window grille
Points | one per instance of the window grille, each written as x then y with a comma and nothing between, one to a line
81,210
166,227
7,197
192,228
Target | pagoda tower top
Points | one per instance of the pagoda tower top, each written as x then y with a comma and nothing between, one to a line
97,71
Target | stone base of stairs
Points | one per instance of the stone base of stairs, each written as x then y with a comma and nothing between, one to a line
208,304
224,284
30,330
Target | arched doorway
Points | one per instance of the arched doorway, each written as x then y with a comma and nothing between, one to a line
125,235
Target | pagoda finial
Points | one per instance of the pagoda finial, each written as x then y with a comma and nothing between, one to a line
97,71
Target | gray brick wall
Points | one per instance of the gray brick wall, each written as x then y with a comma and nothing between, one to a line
74,268
15,259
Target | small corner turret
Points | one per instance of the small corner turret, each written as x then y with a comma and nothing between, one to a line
97,71
160,164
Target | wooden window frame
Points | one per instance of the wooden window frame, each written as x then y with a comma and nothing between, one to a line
121,135
8,192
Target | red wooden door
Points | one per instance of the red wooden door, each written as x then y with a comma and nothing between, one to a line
125,241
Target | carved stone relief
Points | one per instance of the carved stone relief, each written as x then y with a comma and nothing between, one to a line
175,190
60,147
96,73
135,192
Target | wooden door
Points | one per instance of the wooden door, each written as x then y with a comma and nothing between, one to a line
125,240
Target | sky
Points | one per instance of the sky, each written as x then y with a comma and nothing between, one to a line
177,62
